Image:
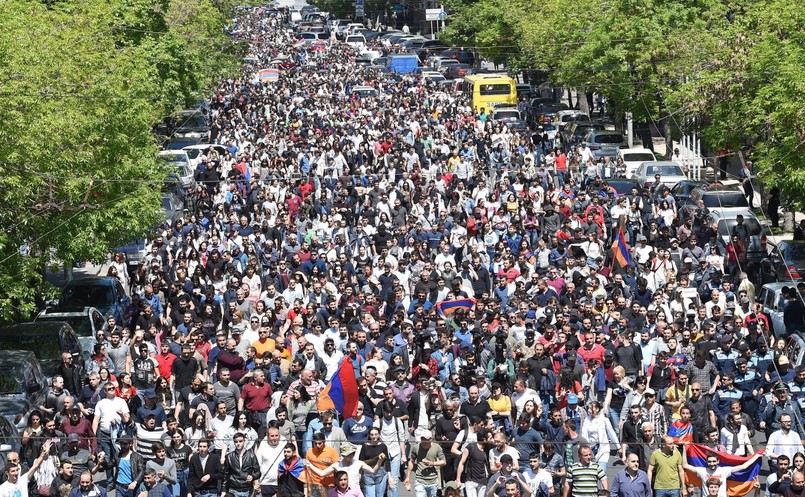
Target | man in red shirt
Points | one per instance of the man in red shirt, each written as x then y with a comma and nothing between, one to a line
255,398
165,359
590,349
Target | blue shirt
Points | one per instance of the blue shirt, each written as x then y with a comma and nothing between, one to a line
124,472
624,485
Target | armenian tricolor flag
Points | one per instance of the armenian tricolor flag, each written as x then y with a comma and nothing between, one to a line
341,393
681,432
270,75
620,250
448,307
738,484
299,43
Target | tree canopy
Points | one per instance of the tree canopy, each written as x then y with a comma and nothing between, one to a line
83,84
733,67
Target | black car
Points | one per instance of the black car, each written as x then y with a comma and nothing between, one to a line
624,185
48,340
681,191
786,262
23,387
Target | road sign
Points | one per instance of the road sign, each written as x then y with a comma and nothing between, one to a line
359,8
433,14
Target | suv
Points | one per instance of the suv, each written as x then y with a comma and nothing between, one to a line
85,321
103,292
604,142
633,157
756,249
23,386
573,133
502,113
47,340
724,198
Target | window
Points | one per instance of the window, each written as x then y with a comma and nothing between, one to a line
495,89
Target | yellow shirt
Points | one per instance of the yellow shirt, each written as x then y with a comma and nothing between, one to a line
674,394
503,404
262,347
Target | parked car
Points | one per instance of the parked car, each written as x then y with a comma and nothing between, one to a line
724,198
517,126
756,251
23,387
47,340
459,71
190,123
575,132
502,113
544,113
563,117
365,91
773,301
194,152
463,56
85,321
102,292
355,41
604,142
786,261
178,163
681,190
633,157
670,173
624,185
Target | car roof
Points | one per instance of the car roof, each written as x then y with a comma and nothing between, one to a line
777,285
720,214
661,163
66,311
635,150
35,328
15,357
97,280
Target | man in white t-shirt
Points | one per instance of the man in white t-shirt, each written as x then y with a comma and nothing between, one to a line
502,447
534,475
16,484
713,470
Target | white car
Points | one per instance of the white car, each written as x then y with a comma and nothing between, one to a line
565,116
179,164
670,173
357,42
633,157
195,152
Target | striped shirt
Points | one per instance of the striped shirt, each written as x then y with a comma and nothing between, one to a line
583,480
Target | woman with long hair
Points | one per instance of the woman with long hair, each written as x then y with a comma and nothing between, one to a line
197,430
598,430
32,430
299,408
164,394
240,424
567,384
374,485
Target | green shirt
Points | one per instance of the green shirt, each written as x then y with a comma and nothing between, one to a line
427,475
666,470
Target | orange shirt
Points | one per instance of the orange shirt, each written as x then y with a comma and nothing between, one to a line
322,461
262,347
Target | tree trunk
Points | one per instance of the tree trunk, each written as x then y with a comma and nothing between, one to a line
584,106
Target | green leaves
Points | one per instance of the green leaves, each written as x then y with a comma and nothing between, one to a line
83,84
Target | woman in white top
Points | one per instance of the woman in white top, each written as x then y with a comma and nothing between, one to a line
598,430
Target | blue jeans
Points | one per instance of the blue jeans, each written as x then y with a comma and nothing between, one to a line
395,473
121,491
105,445
667,493
181,482
425,489
374,485
614,418
240,493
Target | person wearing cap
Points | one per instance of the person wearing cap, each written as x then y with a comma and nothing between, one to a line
76,424
150,406
426,457
353,466
80,457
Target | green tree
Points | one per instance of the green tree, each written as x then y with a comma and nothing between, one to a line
83,84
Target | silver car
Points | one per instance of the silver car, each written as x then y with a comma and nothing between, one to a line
604,142
670,173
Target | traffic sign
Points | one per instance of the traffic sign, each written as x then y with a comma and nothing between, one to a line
433,14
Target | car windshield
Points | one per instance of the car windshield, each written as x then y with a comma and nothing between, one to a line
81,324
668,170
84,295
608,138
507,114
622,187
10,382
731,199
725,226
638,157
196,121
46,348
166,203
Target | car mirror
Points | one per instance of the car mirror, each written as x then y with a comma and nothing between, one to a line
53,303
34,387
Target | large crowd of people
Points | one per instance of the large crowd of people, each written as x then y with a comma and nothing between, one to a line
331,230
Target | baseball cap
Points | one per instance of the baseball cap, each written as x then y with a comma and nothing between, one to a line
426,435
73,437
572,398
649,391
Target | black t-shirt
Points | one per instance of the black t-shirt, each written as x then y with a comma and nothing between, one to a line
184,371
481,409
630,357
371,452
618,396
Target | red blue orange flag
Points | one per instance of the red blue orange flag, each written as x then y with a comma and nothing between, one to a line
448,307
738,484
620,250
341,393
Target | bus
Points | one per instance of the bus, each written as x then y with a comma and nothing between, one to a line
489,90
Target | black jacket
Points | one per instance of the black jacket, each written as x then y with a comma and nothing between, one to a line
213,468
236,471
73,378
137,467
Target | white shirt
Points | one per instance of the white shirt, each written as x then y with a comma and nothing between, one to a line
269,457
743,439
533,480
107,411
720,473
20,489
520,399
780,443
